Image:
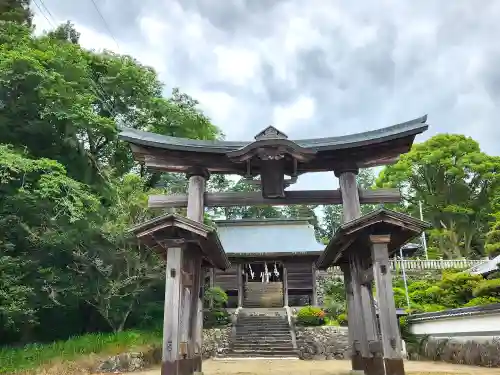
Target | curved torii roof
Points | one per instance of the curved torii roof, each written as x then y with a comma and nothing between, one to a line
367,149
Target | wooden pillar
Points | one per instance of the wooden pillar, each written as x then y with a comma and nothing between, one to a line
195,211
239,272
351,208
391,340
354,320
186,350
285,285
361,305
172,314
314,289
212,284
374,363
195,349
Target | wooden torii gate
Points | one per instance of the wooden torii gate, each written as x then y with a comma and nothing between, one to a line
362,248
272,156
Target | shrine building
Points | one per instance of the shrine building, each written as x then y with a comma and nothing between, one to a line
272,262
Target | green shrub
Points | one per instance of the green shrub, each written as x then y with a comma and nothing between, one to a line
342,319
487,288
431,307
216,297
216,317
399,297
331,322
333,308
457,288
481,301
311,316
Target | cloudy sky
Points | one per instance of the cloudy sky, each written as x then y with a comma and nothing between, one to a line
312,68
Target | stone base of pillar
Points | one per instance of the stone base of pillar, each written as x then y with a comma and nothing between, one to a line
394,366
357,363
374,366
180,367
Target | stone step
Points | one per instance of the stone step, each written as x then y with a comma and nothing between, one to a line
262,355
270,319
280,322
263,342
254,323
262,328
259,353
266,332
263,345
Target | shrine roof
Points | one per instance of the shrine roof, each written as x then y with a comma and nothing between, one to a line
156,232
268,236
139,137
366,149
354,234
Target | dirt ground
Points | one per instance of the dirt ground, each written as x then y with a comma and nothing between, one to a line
298,367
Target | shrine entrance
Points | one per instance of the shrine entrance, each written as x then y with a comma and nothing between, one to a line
361,247
263,285
263,272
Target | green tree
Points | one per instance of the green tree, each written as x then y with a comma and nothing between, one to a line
69,188
37,201
65,103
492,245
16,11
456,183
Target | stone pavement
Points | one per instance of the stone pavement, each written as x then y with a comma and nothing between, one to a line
337,367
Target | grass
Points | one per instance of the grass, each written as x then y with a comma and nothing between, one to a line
15,360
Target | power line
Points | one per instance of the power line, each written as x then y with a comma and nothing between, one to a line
46,9
96,87
105,23
43,14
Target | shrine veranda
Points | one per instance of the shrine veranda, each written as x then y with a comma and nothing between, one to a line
266,270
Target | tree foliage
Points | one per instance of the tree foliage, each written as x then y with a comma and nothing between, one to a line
456,183
69,189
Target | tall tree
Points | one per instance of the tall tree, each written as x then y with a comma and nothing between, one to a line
65,103
456,183
16,11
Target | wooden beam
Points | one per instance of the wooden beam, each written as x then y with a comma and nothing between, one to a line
233,199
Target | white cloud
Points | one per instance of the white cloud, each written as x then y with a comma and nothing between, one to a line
287,117
315,70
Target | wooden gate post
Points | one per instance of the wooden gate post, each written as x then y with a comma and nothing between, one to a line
195,210
361,314
391,340
172,314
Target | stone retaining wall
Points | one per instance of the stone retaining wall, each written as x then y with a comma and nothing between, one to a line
457,350
320,343
215,341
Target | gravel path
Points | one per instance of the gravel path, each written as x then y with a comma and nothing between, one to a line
298,367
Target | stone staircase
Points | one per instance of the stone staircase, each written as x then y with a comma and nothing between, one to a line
263,295
262,334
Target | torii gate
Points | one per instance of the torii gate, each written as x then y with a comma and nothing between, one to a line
272,156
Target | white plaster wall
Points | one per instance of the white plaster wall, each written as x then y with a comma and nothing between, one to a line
460,326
